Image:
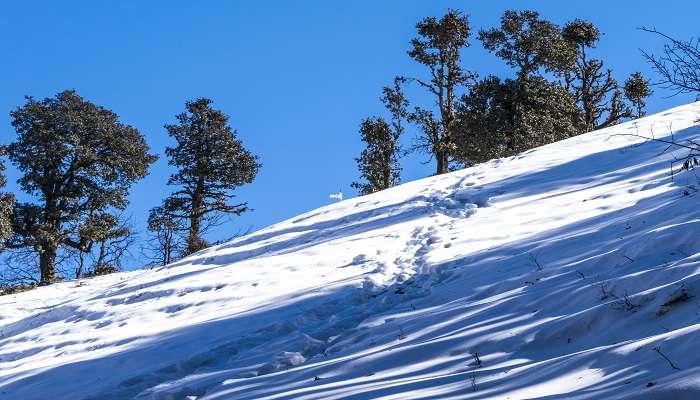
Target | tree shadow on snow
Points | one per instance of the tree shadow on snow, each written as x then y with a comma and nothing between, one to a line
444,321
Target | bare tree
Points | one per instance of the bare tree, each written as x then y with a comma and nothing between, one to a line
20,266
112,250
678,65
106,252
165,243
689,161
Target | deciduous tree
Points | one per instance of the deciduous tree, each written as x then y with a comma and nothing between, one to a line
678,66
165,243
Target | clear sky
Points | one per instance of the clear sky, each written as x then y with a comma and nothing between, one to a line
296,77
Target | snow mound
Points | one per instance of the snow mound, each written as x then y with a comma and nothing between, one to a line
571,271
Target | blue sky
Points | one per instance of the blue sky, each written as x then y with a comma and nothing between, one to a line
295,77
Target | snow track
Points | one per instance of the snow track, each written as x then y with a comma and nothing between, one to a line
568,272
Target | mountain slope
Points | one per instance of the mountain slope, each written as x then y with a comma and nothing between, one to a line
567,272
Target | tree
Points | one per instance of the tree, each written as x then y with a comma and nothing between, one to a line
637,90
211,161
502,118
679,64
396,103
110,242
165,243
528,43
78,161
112,247
6,206
593,87
378,163
484,116
438,47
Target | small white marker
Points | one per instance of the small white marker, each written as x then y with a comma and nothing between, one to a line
338,196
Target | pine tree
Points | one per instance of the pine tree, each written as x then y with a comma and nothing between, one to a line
438,47
637,90
378,162
503,118
528,43
78,162
6,206
396,103
211,162
593,87
484,116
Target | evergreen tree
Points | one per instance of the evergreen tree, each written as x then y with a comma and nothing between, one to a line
484,116
211,161
438,47
593,87
6,205
528,43
78,162
637,90
378,163
503,118
396,103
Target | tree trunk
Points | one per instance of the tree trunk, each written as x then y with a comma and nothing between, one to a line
442,162
387,172
194,242
47,264
81,264
167,249
101,258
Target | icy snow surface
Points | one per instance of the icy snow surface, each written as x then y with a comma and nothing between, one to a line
567,272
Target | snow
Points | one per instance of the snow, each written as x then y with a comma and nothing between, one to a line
571,271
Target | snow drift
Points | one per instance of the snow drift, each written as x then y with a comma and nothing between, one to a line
571,271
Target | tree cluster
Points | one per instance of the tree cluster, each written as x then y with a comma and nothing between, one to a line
558,90
78,162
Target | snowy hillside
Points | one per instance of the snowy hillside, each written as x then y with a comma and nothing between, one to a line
569,272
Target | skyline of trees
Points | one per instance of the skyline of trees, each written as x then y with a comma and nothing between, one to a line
558,90
78,162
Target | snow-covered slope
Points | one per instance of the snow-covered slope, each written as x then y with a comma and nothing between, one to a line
567,272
